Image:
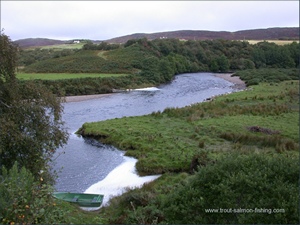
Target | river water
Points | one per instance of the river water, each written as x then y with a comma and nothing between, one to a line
82,162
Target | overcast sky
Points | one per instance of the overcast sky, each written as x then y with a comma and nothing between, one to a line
102,20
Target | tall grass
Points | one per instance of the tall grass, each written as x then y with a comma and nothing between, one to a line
61,76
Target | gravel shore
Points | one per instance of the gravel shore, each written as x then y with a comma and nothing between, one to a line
238,83
79,98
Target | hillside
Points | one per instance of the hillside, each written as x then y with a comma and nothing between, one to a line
34,42
257,34
285,33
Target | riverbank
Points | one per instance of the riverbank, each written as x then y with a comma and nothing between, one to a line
238,83
80,98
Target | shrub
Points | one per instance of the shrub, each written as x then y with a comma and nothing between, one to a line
270,75
253,183
26,201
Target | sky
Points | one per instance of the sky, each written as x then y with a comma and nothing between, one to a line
103,20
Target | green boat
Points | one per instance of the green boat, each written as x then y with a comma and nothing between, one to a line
81,199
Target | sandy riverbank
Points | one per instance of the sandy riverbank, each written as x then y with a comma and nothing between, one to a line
79,98
238,83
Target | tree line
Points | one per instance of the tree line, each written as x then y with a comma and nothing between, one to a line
205,55
155,62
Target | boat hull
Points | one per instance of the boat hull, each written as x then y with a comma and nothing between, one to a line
81,199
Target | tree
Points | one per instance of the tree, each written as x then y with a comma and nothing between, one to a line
223,63
166,69
31,128
214,67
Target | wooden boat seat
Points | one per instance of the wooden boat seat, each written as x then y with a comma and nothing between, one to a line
75,199
95,199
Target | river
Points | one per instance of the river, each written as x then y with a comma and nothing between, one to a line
83,164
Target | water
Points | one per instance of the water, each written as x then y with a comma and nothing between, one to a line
85,164
124,176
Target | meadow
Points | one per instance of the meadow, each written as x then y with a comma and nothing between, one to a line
62,76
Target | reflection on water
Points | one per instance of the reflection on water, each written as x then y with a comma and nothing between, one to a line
84,162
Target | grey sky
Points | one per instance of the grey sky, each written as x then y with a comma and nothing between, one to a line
101,20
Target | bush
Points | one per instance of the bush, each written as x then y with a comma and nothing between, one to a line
270,75
257,184
26,201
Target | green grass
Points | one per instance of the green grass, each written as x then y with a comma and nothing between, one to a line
168,141
61,76
58,47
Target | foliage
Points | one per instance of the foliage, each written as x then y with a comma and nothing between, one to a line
8,60
257,183
27,57
159,60
271,55
254,77
83,61
26,200
102,46
31,128
143,206
89,85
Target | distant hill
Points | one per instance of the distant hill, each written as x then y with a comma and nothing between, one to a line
35,42
284,33
291,33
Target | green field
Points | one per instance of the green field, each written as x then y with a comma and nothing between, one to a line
58,47
278,42
63,76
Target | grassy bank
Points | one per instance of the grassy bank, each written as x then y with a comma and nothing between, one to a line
168,141
62,76
258,126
